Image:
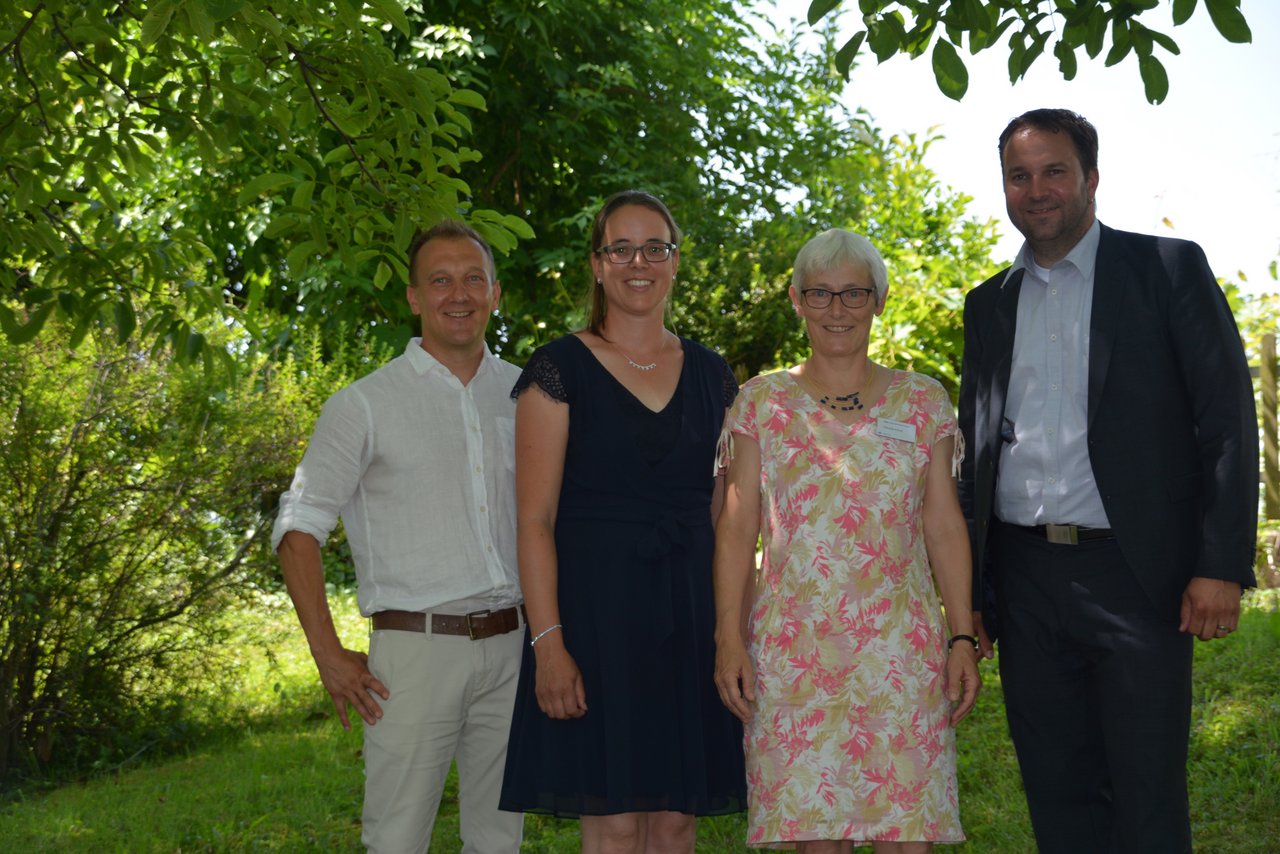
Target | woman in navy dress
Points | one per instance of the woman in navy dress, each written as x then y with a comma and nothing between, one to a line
617,718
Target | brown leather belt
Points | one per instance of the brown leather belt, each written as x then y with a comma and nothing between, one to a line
477,625
1064,535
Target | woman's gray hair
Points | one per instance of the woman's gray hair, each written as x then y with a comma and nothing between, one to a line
835,247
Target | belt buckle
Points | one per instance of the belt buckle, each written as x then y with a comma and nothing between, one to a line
471,632
1063,535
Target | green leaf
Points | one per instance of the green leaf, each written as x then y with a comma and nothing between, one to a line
8,322
126,319
22,333
1097,32
819,8
391,12
884,40
1066,60
1229,20
193,346
298,257
949,70
1155,79
156,22
260,185
382,275
1120,43
1164,42
1182,10
467,98
220,10
201,23
846,54
302,194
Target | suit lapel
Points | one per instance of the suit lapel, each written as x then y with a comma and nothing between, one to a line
1004,327
1108,293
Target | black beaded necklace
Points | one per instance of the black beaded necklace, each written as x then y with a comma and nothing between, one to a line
851,402
842,402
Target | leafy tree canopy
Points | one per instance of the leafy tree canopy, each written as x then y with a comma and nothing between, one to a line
891,27
176,167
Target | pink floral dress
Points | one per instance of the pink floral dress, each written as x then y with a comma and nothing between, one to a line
850,737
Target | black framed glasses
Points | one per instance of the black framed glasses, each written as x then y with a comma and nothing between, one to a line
851,297
623,253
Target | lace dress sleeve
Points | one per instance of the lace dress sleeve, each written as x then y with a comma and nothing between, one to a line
728,383
542,371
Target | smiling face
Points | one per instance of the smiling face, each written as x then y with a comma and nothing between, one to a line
837,330
454,292
1048,194
638,286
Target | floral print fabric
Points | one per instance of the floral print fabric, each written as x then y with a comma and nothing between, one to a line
850,737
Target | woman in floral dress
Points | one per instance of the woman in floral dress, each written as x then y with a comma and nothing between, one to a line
838,659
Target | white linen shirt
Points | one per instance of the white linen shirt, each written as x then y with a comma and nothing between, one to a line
421,469
1045,473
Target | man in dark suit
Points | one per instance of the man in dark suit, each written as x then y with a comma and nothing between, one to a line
1111,489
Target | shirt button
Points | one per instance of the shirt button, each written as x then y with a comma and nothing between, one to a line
1053,387
484,509
1053,337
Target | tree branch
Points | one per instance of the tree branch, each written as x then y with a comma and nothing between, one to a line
307,70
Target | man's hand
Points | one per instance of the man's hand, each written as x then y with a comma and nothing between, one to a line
346,677
1210,608
986,648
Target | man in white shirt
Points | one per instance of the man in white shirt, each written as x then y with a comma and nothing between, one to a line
418,459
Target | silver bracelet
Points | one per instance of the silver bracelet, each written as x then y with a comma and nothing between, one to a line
545,631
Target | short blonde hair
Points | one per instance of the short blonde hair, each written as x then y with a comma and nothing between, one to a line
837,246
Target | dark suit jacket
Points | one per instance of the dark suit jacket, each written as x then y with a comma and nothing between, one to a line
1172,430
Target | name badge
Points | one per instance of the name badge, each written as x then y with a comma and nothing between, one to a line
891,429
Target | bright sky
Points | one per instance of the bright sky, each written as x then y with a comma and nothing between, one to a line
1207,159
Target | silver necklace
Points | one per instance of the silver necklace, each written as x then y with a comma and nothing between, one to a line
649,367
639,367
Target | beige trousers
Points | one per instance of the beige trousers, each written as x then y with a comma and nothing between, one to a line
451,699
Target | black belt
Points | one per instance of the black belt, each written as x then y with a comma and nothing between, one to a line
1063,535
477,625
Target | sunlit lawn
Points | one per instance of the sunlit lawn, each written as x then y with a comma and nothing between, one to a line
289,778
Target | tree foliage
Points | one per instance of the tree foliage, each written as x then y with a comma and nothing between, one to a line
202,161
1062,28
742,131
138,499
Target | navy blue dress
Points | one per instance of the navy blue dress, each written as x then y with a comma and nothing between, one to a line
634,542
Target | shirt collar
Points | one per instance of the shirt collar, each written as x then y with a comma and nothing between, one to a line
1083,256
423,362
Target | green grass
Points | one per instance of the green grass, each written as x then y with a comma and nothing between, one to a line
288,778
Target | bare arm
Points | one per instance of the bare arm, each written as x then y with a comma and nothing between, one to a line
542,434
946,540
344,672
737,530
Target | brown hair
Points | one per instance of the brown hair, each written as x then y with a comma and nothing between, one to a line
450,228
596,303
1084,136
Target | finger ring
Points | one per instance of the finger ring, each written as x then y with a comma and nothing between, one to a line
1224,629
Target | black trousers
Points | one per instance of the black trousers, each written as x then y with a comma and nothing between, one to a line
1097,689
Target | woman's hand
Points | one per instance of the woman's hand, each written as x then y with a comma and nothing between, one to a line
558,682
735,678
961,681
